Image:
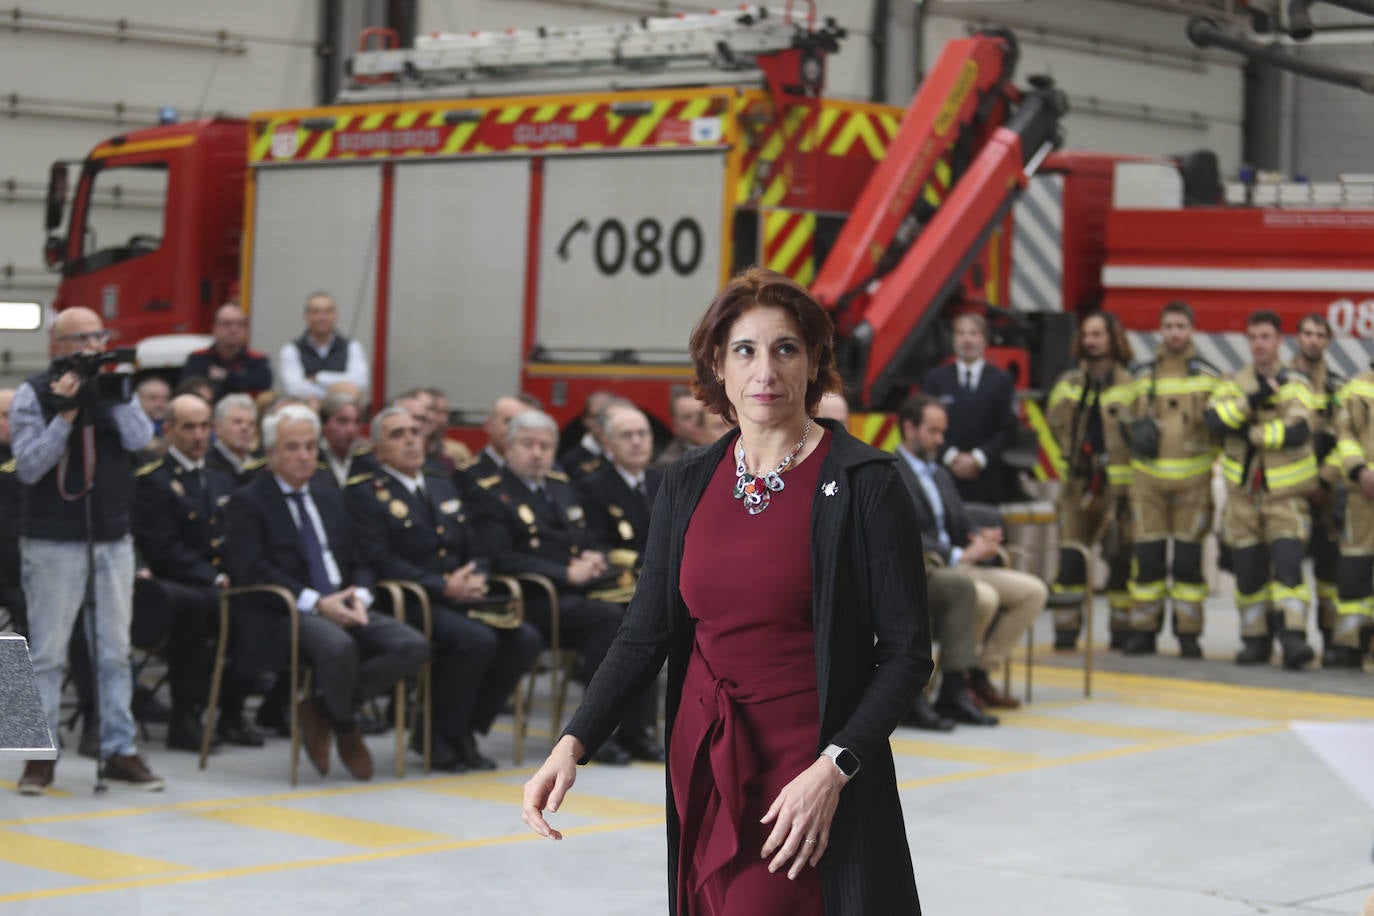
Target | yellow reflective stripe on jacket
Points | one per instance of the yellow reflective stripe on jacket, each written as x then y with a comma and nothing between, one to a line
1119,475
1231,470
1291,475
1349,448
1274,431
1175,468
1252,598
1064,391
1228,389
1357,387
1297,391
1229,412
1193,384
1358,606
1121,395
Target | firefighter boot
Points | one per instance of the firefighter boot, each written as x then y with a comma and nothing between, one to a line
1188,646
1335,657
1256,651
1296,651
1139,643
1065,640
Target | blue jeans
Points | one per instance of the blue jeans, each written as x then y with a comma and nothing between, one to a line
54,577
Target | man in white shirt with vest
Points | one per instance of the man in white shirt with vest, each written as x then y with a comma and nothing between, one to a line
322,356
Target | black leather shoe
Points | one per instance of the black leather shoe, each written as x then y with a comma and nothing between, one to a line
469,754
963,710
272,718
1139,642
443,756
1342,657
184,732
1256,651
236,730
640,747
923,716
1188,646
612,753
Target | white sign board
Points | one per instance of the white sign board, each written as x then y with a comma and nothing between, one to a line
629,250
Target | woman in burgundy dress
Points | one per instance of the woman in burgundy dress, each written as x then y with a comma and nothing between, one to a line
782,584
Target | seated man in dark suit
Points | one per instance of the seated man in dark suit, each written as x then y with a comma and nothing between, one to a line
412,525
618,497
342,452
178,526
1008,600
235,428
589,454
284,531
977,396
533,523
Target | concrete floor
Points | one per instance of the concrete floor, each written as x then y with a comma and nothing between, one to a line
1178,788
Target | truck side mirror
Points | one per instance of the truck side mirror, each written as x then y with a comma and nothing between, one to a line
57,195
52,252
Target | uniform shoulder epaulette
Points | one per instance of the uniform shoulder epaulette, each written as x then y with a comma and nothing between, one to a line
468,462
1289,372
9,467
359,478
149,468
321,466
558,475
252,464
1198,365
362,448
486,483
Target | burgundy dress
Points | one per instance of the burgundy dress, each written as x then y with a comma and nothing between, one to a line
749,721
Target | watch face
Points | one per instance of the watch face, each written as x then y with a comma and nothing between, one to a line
847,762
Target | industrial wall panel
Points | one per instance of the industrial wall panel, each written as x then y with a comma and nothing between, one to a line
458,278
629,251
314,229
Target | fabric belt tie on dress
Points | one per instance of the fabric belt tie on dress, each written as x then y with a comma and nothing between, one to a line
733,763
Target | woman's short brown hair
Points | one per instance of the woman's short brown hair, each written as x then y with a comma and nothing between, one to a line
759,287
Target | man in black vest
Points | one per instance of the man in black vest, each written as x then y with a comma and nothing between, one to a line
67,445
286,530
179,525
322,356
619,496
413,525
533,522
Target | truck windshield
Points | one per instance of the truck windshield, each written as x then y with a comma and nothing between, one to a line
123,215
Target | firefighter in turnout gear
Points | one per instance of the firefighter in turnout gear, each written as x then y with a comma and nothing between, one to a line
1354,448
1314,337
1265,415
1084,413
1172,452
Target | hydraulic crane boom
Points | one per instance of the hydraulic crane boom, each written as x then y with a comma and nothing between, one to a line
963,95
910,296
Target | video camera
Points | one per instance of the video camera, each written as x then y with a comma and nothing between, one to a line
109,388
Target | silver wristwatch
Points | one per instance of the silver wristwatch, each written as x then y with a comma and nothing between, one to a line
845,760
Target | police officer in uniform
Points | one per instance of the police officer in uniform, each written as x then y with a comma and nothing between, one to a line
236,425
413,525
1314,336
589,454
619,496
1172,452
1350,634
179,511
1264,413
533,523
1087,427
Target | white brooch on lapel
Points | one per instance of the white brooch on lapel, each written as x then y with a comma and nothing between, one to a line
830,489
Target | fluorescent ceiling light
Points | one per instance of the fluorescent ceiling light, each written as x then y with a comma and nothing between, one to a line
22,315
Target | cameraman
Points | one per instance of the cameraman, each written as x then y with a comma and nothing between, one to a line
58,427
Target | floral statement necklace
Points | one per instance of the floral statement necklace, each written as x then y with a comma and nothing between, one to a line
756,490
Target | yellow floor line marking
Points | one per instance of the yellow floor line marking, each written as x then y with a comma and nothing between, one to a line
1150,684
577,804
289,795
1265,712
1021,719
53,793
77,860
353,859
332,827
960,753
1091,757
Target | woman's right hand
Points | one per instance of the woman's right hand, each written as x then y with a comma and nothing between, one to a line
550,784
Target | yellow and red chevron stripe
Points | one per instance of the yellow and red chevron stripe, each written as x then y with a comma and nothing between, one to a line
879,430
837,130
491,126
1049,464
789,238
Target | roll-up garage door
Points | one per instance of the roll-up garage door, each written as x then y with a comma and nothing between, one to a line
458,278
314,229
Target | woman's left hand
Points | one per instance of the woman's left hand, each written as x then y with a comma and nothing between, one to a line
801,816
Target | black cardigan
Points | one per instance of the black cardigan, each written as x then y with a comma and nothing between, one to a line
872,654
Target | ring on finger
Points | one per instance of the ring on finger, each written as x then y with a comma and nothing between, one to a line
810,841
